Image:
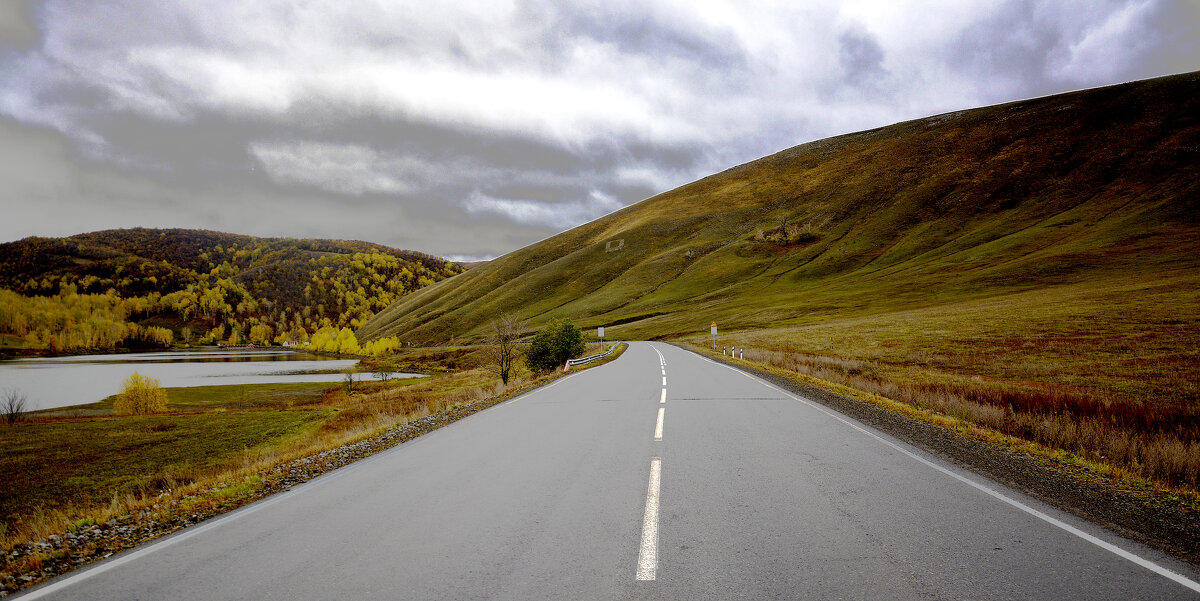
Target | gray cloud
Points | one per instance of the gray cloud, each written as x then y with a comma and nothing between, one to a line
861,57
16,24
474,130
560,215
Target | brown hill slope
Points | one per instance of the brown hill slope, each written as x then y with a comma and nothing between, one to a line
1069,189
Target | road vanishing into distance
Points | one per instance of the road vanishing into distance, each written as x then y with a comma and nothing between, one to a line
661,475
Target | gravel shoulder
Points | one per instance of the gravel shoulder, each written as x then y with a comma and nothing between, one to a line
1150,519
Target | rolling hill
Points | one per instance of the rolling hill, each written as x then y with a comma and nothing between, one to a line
1090,187
1027,274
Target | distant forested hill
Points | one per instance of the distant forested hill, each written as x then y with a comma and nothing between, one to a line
199,285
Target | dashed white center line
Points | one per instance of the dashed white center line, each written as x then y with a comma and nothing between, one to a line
659,425
664,380
648,554
663,398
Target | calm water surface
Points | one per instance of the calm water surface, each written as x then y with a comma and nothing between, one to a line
51,382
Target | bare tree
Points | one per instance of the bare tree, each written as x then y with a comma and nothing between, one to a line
13,405
503,354
383,371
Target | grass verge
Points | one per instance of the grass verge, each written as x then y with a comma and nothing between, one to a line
1105,374
122,481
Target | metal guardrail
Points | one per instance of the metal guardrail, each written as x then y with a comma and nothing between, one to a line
590,358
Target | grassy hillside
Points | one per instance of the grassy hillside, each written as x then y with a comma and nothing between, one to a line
1028,273
196,284
1091,186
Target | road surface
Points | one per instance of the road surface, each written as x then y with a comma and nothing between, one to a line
661,475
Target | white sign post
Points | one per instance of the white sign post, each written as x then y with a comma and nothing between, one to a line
600,335
714,334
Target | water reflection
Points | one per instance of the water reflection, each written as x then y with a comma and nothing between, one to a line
53,382
220,355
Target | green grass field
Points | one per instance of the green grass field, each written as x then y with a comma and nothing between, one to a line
1116,340
53,466
206,398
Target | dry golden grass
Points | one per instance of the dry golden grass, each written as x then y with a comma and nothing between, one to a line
1108,371
1149,446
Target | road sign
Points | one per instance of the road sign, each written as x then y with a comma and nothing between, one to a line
600,332
714,328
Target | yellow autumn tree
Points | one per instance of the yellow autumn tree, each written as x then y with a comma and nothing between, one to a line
260,334
140,395
381,347
347,344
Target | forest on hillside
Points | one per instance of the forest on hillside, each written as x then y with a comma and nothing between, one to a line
147,287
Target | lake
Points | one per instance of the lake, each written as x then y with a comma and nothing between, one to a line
51,382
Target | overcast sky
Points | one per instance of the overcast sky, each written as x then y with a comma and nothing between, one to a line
472,131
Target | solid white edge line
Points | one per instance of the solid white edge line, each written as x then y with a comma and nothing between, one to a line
1107,546
648,552
658,426
663,398
546,387
124,557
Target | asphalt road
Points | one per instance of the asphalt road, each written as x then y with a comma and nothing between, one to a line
565,493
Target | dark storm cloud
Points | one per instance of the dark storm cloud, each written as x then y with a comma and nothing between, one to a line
861,57
1016,46
473,130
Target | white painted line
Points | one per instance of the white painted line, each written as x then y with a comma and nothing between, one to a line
546,387
1107,546
663,398
648,553
659,424
664,380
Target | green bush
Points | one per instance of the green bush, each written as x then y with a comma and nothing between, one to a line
553,345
